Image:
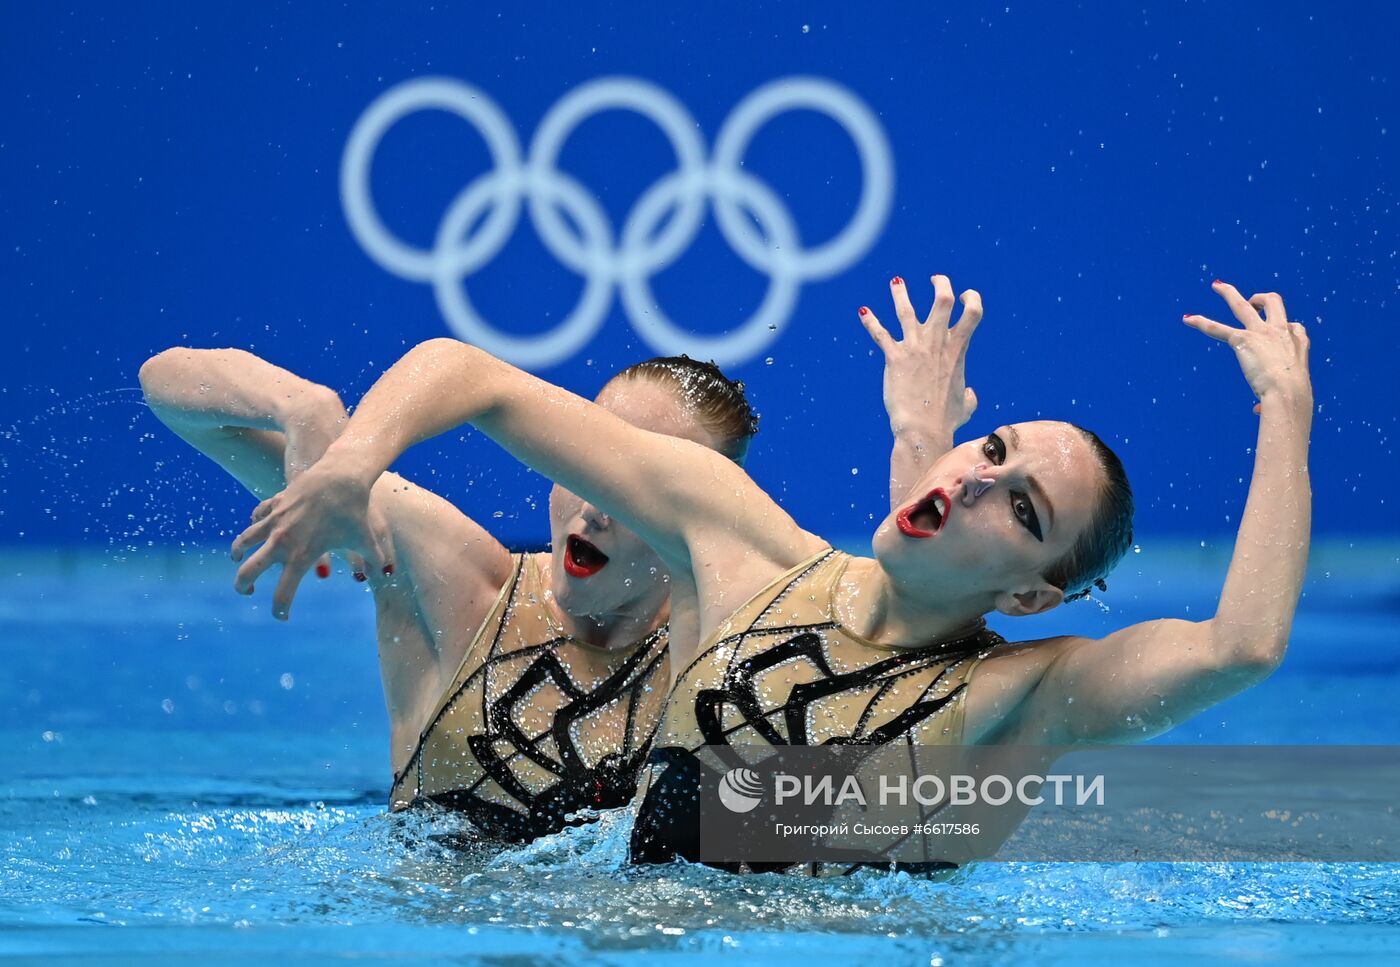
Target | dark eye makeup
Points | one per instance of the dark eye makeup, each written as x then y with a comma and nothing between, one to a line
994,448
1021,507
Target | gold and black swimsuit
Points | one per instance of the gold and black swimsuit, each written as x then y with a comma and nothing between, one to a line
536,724
784,671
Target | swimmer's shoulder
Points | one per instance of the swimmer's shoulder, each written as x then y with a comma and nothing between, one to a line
998,706
449,569
751,565
432,530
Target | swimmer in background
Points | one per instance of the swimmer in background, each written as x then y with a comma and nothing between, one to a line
521,688
870,650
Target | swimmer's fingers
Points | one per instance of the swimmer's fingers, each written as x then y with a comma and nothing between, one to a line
357,565
1213,329
942,312
293,571
323,566
252,535
253,568
908,318
1299,332
877,332
971,316
1270,304
372,546
1243,311
970,401
381,544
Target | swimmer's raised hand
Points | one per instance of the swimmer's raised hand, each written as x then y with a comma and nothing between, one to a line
322,510
1272,352
308,434
926,392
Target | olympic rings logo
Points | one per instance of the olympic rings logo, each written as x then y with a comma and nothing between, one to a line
592,248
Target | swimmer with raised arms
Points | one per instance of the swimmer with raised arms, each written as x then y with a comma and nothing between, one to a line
521,688
1016,521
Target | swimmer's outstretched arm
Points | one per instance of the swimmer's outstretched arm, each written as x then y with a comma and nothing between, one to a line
680,497
926,393
265,426
1141,681
258,421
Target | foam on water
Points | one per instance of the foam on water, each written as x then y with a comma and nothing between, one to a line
154,858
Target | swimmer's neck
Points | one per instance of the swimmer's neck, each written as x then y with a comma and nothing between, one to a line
609,632
869,604
612,632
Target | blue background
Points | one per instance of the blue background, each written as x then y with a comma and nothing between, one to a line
169,175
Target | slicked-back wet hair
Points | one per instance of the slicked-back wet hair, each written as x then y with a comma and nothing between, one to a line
719,403
1108,535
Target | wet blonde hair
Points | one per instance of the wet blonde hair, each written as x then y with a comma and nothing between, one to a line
718,402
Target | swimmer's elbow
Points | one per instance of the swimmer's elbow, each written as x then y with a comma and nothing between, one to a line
149,373
460,362
1266,655
443,344
156,373
1253,651
445,348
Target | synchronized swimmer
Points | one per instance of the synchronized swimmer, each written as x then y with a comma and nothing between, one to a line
777,638
522,689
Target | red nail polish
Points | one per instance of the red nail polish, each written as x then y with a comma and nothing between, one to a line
323,570
360,576
1217,282
864,311
388,569
896,281
1185,316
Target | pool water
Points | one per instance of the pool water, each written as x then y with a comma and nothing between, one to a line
185,777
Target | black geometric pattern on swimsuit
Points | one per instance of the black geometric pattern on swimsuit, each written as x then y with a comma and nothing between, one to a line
668,824
610,783
739,690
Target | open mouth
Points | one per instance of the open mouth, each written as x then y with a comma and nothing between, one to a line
927,517
582,559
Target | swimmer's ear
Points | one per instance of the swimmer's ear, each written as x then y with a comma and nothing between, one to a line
1035,599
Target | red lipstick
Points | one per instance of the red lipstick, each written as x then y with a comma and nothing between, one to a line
582,559
933,510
